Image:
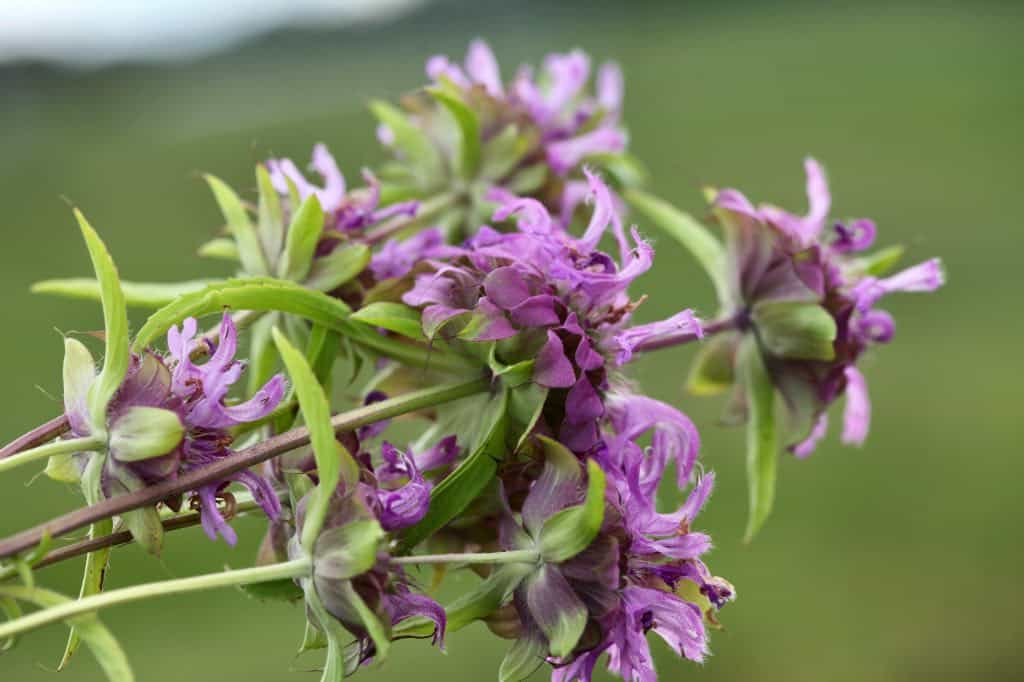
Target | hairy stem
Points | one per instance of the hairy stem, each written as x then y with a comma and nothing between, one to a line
43,433
70,609
239,461
59,447
519,556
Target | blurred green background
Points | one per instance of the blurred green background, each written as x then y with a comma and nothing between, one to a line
899,561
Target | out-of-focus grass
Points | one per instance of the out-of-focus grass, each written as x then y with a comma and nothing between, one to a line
898,561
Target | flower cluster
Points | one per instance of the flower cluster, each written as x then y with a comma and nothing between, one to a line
194,419
809,294
547,295
469,291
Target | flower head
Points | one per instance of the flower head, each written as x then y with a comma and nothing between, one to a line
157,391
548,296
809,293
533,133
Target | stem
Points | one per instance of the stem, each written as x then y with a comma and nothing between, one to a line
70,609
519,556
682,338
60,447
123,537
43,433
239,461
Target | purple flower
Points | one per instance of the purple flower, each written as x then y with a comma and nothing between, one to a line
565,302
347,211
197,395
811,294
642,573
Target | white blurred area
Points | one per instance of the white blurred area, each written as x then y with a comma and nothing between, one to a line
98,32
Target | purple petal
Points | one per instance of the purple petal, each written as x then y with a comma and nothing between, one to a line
568,154
260,405
857,416
482,67
536,311
583,402
506,287
552,368
805,447
404,604
683,324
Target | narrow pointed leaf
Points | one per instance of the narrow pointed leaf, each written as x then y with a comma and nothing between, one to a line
94,634
240,227
686,230
762,447
303,234
221,248
270,224
395,317
527,653
413,143
333,462
115,323
469,129
463,485
92,582
136,294
338,267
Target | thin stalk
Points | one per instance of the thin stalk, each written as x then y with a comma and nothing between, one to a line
71,609
519,556
124,537
59,447
683,338
239,461
43,433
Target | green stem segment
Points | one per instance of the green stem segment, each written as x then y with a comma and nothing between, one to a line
239,461
68,610
519,556
59,447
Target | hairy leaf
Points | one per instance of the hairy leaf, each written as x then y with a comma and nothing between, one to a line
136,294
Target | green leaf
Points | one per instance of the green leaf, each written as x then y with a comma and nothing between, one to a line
283,590
528,653
115,322
92,582
303,234
145,527
78,374
377,629
762,447
453,494
796,330
487,597
338,267
571,530
503,152
712,370
469,129
343,552
145,432
693,236
96,636
416,146
333,462
880,262
12,610
240,227
525,405
220,248
262,354
335,634
270,223
558,610
255,293
395,317
136,294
